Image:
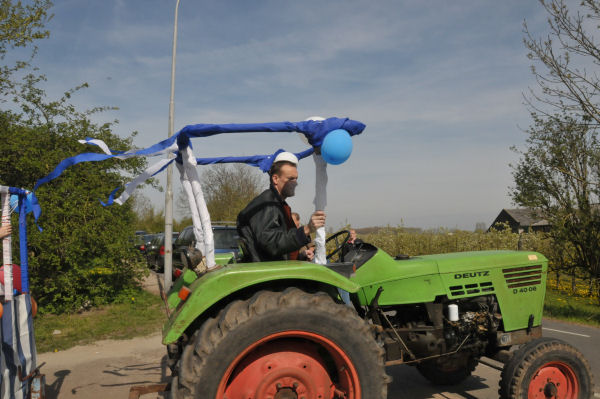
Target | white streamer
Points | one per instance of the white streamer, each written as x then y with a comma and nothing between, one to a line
189,166
131,186
196,221
99,143
106,150
320,204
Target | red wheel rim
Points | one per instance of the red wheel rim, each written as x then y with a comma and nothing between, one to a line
291,364
554,380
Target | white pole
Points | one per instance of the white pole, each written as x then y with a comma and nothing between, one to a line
168,272
7,246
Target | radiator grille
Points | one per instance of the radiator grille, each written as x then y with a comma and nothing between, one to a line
473,288
523,276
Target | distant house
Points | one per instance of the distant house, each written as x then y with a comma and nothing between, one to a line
521,220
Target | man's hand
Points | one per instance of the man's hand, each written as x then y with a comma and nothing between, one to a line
5,231
317,220
310,253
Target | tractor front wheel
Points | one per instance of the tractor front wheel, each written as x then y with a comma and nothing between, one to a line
546,368
282,345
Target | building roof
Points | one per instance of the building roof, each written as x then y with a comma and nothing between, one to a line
526,217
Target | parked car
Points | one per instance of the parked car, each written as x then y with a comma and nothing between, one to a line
153,249
151,246
155,252
142,242
226,244
136,239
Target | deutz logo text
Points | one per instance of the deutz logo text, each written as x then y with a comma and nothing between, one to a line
471,274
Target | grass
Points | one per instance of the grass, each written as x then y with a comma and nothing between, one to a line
577,309
571,300
142,314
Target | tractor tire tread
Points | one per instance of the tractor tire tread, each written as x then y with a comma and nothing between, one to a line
207,338
515,371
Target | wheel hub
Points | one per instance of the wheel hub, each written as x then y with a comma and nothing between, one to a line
554,380
292,364
550,390
285,393
286,370
289,383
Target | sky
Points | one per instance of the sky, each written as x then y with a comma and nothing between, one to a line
439,85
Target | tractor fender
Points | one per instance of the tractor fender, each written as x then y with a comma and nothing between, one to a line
216,285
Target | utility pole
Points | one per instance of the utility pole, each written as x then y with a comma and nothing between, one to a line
168,269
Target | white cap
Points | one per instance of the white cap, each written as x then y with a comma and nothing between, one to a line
287,157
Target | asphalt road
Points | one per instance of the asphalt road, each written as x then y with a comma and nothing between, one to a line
483,384
584,338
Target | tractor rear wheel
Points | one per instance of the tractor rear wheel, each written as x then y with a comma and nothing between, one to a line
546,368
282,345
448,370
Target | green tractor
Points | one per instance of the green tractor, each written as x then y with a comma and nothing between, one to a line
299,330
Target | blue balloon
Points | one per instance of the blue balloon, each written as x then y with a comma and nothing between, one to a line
14,203
336,147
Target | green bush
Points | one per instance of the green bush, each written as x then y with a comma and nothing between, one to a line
80,238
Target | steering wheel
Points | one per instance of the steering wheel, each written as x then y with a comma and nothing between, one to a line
339,244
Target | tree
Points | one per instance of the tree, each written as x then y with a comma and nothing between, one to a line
568,56
86,256
227,190
558,175
21,25
147,218
480,226
558,172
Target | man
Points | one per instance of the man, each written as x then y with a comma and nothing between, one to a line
353,239
307,252
266,227
352,243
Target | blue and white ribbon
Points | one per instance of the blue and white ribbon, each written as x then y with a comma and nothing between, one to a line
18,350
148,173
314,130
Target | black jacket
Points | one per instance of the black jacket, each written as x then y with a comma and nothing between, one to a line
264,232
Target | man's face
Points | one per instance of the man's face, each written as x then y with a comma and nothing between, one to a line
286,181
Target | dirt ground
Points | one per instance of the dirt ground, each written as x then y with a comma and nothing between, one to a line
106,369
